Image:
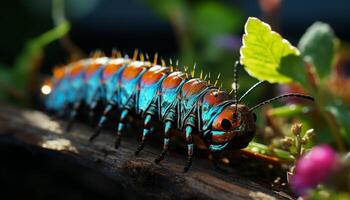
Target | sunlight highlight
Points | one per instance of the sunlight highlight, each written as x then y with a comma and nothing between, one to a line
46,89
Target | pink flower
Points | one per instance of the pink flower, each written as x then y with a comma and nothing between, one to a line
313,168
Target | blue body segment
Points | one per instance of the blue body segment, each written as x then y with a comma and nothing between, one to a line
129,84
169,100
57,98
191,93
75,90
110,82
149,89
92,81
213,102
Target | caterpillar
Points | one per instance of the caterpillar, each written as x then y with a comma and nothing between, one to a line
155,92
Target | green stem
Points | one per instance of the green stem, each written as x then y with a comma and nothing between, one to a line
263,149
335,130
58,17
298,146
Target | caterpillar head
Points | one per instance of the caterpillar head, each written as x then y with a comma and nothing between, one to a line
233,127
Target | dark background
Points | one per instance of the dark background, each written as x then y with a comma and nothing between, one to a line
126,25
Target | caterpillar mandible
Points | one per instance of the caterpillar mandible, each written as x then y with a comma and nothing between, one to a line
156,93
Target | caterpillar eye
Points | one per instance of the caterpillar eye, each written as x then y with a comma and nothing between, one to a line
226,124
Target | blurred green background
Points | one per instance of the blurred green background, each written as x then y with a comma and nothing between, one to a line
204,32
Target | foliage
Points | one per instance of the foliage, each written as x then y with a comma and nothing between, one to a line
318,46
263,50
267,56
15,81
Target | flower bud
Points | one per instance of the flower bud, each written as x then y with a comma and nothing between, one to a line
313,168
287,142
309,135
296,128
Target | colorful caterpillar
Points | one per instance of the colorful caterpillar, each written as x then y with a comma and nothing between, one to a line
156,92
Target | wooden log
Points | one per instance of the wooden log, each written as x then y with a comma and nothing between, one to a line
139,174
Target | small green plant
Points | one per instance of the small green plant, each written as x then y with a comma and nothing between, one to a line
268,56
16,82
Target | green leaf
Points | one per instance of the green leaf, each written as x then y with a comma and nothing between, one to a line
263,50
213,18
318,46
293,66
342,114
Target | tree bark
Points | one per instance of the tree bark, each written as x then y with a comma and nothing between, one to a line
140,174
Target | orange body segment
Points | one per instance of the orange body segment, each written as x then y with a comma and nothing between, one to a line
153,75
58,73
215,97
193,87
173,80
133,70
77,68
112,67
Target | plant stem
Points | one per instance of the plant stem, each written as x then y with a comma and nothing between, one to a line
334,129
58,17
261,148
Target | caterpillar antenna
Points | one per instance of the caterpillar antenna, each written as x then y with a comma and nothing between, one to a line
250,89
280,97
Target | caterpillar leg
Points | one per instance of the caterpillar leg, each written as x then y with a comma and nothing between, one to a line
189,141
145,133
120,128
166,142
92,108
101,122
72,115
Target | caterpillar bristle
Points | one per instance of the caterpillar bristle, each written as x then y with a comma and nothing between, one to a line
162,62
116,53
147,57
155,58
186,69
205,77
98,54
142,57
231,91
136,52
119,54
193,70
201,74
217,79
171,65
